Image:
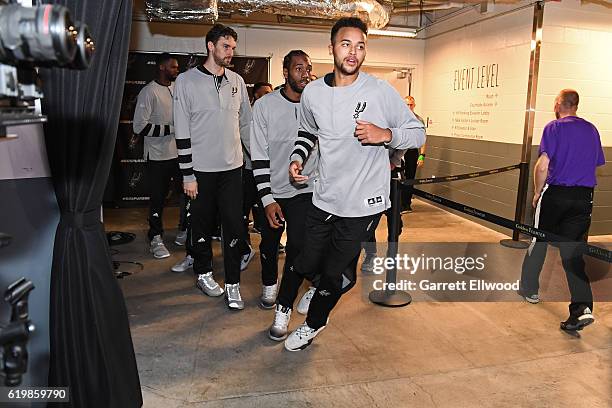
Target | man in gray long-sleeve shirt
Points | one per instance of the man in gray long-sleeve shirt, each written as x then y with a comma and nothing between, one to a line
153,121
211,111
275,126
355,118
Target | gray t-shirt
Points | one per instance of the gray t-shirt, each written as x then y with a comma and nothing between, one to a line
210,114
273,134
153,121
353,179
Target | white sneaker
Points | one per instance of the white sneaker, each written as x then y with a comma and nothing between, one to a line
206,283
268,296
278,330
301,337
304,303
232,295
183,265
158,249
181,238
244,261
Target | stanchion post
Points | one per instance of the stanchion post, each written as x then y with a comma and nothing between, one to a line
532,87
392,297
521,197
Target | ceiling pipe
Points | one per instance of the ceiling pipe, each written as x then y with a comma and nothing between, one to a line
427,7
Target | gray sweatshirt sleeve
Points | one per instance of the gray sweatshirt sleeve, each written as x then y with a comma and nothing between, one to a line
306,137
142,125
407,131
260,154
182,132
245,116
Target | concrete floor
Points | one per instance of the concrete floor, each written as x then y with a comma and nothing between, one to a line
193,352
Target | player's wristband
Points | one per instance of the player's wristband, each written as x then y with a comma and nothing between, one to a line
421,157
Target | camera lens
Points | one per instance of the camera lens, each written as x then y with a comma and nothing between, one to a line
85,47
37,34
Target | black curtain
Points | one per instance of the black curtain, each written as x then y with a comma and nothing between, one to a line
91,347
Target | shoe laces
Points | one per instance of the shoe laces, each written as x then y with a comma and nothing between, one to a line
304,330
207,279
281,317
269,291
233,291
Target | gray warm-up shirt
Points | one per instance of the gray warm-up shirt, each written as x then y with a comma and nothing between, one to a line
353,179
273,134
153,121
210,114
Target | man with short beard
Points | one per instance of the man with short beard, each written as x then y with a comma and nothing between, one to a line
355,118
211,111
275,126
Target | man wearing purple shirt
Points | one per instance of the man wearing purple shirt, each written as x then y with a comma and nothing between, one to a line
564,178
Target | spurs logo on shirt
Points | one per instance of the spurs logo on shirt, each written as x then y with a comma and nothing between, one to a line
360,108
234,91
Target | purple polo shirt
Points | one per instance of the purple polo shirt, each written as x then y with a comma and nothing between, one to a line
574,148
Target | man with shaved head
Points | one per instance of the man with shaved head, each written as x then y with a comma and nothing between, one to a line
564,179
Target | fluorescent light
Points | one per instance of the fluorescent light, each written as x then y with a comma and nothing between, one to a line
393,33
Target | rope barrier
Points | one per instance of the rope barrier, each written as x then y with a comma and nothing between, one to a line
590,250
465,176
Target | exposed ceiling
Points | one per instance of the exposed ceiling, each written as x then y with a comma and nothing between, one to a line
312,13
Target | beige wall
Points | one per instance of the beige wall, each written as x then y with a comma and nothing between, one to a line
577,53
474,109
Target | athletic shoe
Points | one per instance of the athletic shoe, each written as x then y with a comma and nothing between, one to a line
206,283
574,323
183,265
268,296
181,238
304,303
529,297
246,258
278,330
281,249
367,265
158,249
232,296
301,337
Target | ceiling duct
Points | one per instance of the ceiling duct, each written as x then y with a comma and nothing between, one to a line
203,10
371,11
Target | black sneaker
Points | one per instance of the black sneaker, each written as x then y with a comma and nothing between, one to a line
575,323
